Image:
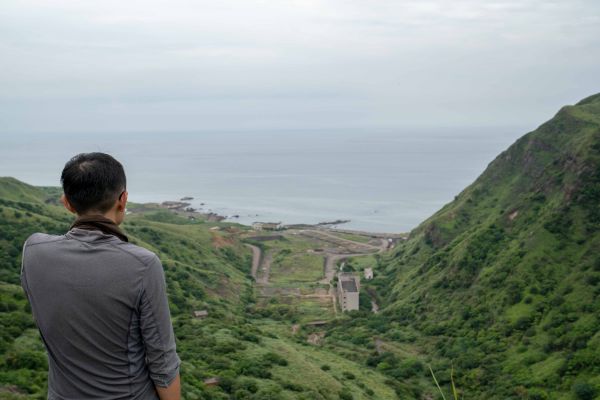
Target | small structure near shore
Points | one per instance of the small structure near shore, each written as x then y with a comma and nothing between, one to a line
267,226
348,291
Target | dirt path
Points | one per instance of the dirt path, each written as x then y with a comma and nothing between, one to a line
261,265
265,269
255,259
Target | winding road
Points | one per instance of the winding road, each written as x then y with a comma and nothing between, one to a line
261,261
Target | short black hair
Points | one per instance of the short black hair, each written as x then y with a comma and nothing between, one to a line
93,181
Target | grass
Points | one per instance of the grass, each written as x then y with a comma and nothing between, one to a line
359,263
513,303
291,268
305,362
452,385
354,237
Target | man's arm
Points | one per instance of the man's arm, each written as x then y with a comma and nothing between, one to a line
157,333
171,392
23,276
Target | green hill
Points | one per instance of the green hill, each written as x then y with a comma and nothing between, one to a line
503,283
254,356
501,286
199,275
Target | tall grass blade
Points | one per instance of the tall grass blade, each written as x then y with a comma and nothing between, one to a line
436,383
452,380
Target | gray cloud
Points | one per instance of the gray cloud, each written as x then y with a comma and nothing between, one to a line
190,65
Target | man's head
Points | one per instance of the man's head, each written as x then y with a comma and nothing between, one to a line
94,183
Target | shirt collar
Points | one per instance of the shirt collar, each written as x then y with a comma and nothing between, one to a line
100,224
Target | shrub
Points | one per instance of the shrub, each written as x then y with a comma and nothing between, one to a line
348,375
346,395
537,394
242,394
248,385
274,358
523,323
292,386
584,391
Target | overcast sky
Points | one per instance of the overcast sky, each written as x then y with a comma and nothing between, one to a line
122,65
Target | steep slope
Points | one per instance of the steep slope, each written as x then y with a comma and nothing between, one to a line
504,282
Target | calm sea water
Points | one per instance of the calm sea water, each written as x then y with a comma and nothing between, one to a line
382,180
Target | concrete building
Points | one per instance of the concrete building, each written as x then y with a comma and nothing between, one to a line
368,273
267,226
348,291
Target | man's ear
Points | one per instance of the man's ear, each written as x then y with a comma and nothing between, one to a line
122,203
68,206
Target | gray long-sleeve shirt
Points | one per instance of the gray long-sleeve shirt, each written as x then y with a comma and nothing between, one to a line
101,308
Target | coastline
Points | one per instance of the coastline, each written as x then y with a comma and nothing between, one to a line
184,208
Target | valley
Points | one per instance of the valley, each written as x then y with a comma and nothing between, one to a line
298,267
497,293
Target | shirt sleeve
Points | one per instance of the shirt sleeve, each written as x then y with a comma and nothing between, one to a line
156,327
24,277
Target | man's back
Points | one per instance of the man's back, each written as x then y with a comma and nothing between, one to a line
100,305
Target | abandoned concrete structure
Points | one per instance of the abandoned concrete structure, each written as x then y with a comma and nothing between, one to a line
348,291
267,226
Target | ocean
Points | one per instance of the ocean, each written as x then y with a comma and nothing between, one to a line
382,180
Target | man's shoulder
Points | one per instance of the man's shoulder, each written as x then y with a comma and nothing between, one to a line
40,238
142,254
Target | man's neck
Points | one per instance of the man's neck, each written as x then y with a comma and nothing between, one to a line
108,215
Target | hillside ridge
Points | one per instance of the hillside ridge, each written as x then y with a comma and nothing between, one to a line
503,281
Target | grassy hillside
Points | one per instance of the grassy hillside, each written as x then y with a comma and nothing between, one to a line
501,286
253,355
503,283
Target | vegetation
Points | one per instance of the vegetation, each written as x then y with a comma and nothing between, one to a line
498,293
248,347
503,282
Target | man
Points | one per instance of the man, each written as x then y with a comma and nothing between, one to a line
99,301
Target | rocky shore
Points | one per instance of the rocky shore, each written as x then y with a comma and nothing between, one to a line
184,208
